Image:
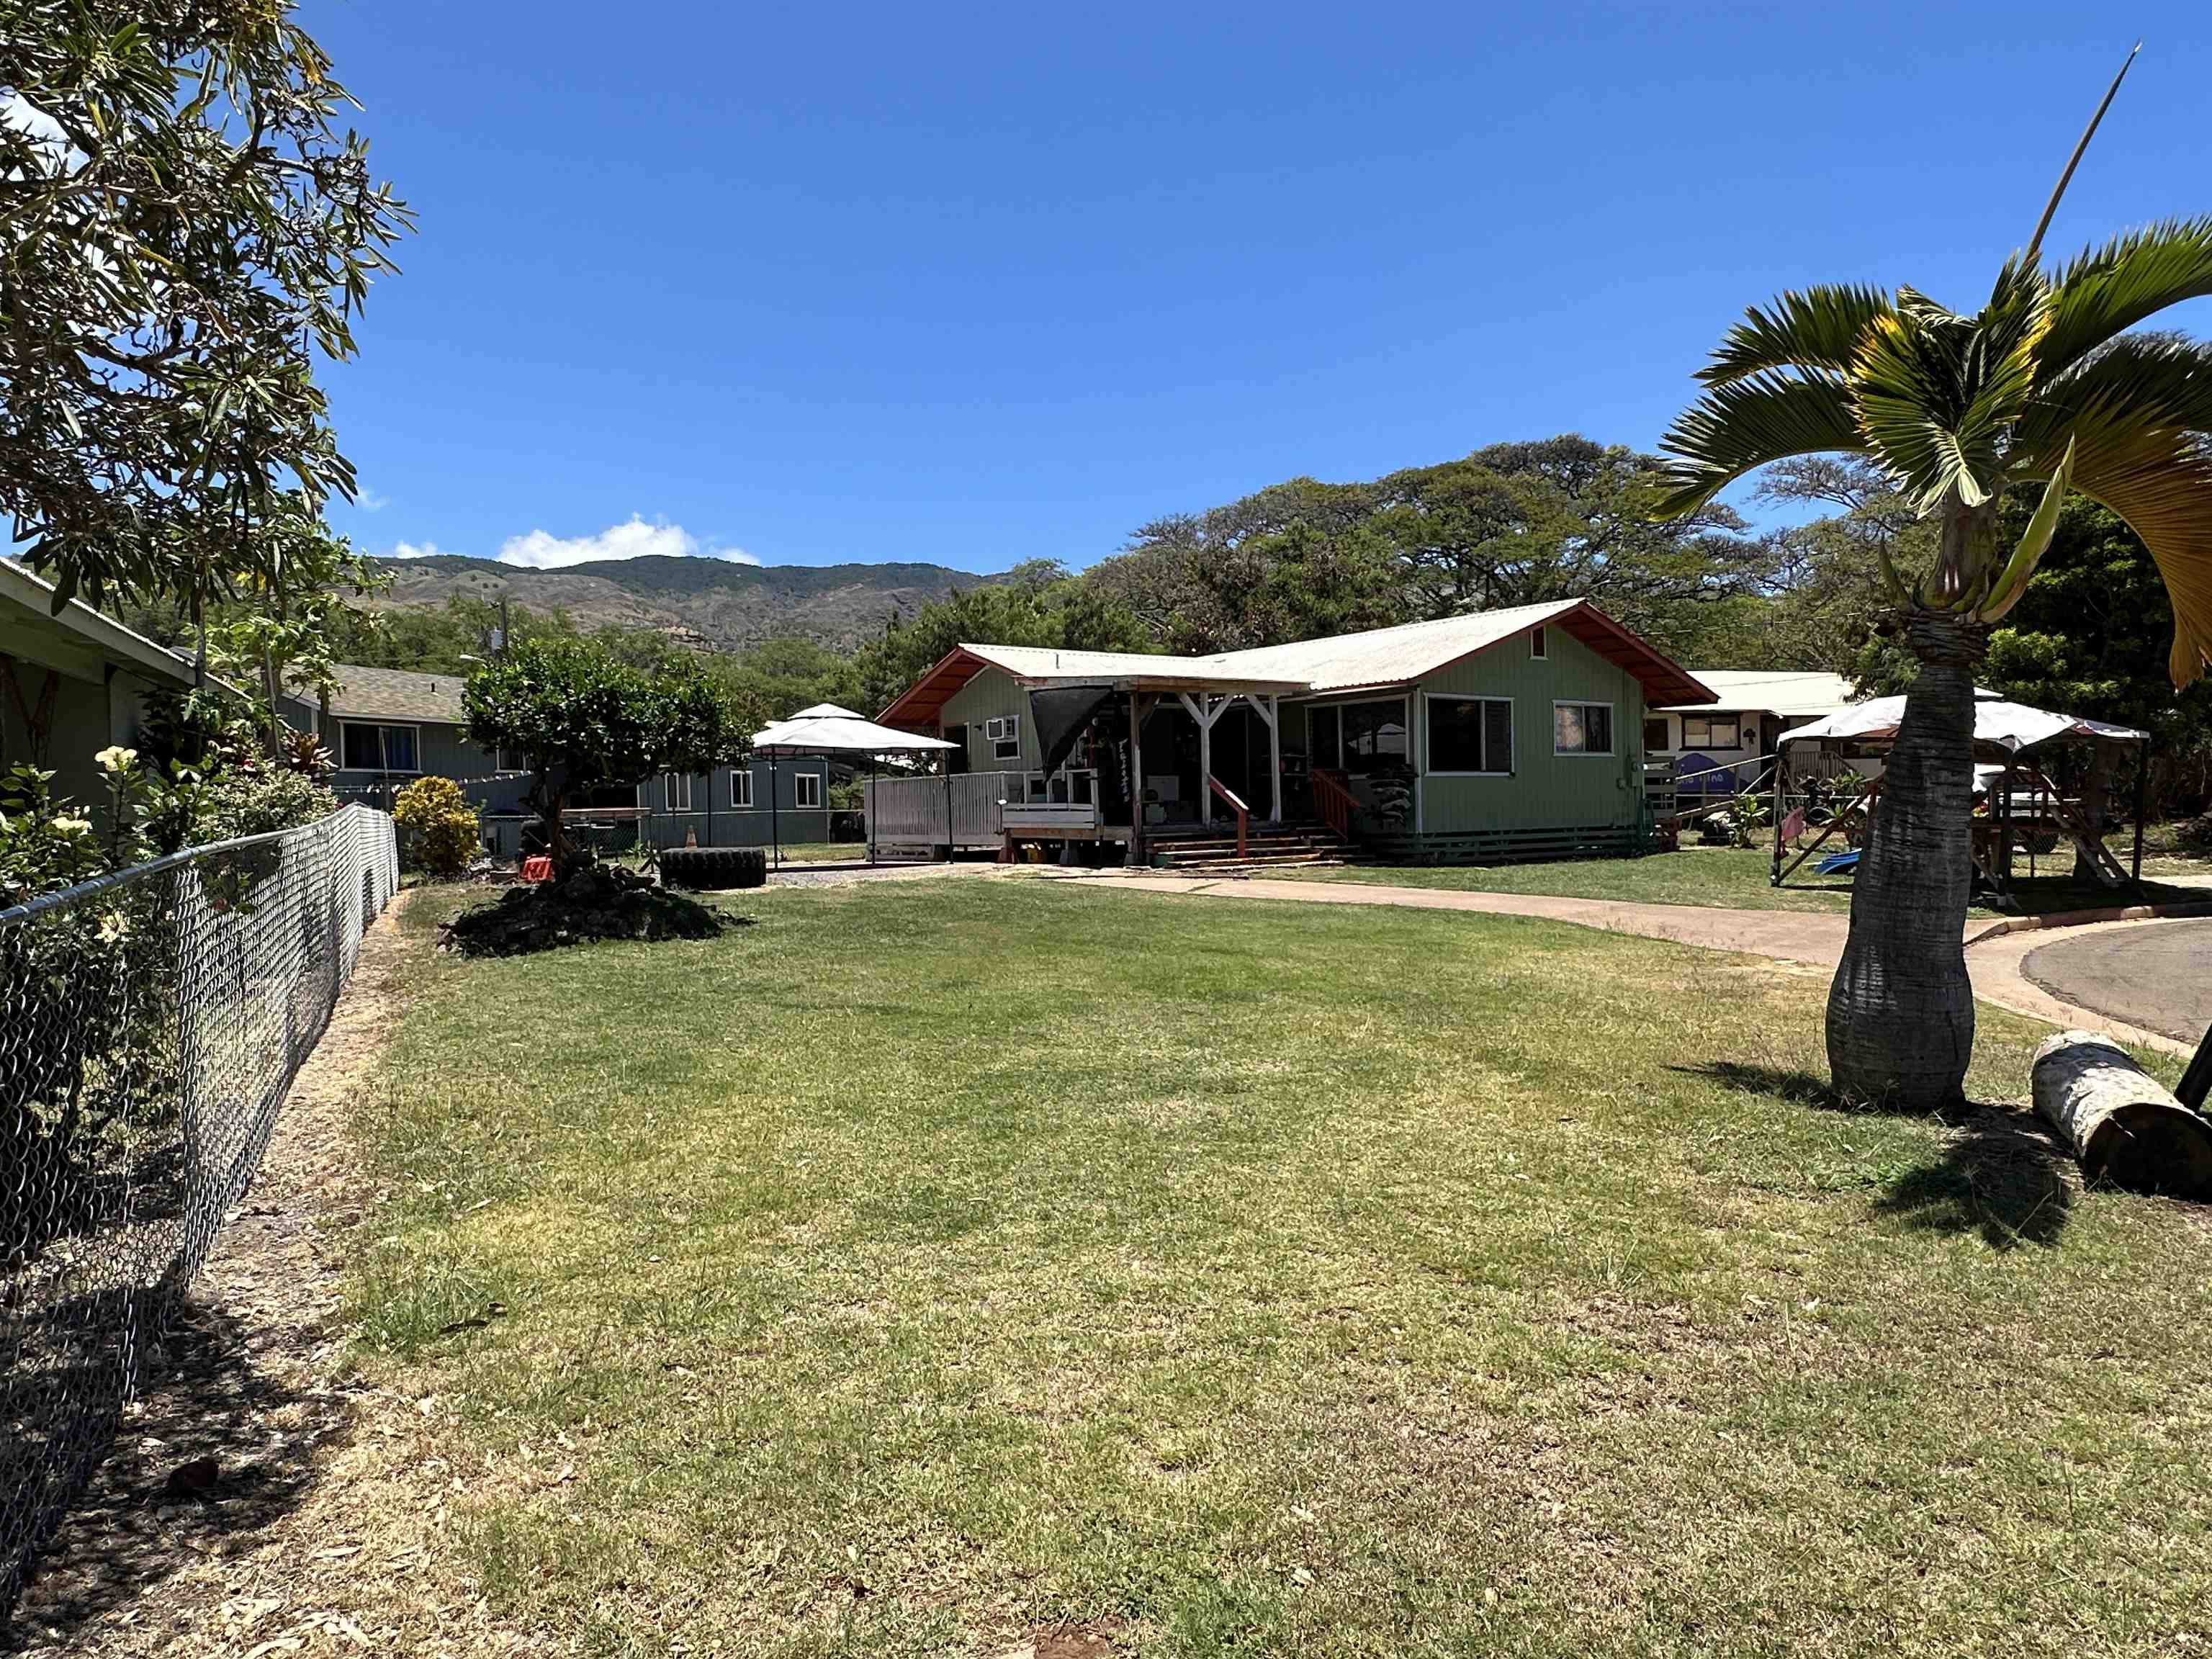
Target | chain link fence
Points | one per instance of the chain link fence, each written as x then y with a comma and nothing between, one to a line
150,1024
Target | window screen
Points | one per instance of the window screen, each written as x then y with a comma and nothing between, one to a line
1470,734
1374,734
1582,728
379,748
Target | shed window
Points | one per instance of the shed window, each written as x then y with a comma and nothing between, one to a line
509,760
1654,734
741,787
379,748
1536,644
1470,734
1004,733
1582,728
1712,732
806,789
676,791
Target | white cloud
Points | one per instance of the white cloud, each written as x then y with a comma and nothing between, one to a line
636,539
418,550
369,502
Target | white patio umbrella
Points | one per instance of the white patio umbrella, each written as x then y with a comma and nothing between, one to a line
826,729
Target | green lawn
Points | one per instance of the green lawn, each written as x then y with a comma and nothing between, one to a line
1737,879
919,1269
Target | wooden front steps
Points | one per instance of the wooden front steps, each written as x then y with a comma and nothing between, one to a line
1193,848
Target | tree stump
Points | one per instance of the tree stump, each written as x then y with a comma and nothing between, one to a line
2121,1123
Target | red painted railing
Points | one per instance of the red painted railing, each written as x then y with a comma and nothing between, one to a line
1334,803
1244,814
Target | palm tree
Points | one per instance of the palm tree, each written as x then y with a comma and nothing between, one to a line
2045,386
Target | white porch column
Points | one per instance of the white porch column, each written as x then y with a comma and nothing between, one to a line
1274,719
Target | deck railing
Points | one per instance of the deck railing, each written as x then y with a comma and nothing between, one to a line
1334,803
1236,804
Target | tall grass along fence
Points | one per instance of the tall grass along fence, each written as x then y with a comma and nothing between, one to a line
150,1024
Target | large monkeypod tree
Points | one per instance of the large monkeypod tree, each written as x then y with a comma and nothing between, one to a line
584,720
2044,389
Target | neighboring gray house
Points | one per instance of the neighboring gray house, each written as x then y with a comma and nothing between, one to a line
388,727
72,683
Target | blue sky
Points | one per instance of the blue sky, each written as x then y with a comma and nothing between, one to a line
971,286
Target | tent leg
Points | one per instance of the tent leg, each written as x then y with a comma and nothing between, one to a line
774,825
2142,802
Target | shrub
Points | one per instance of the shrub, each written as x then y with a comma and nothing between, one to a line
2196,833
1747,817
244,800
443,831
707,868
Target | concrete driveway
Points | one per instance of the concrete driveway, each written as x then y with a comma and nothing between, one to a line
2157,974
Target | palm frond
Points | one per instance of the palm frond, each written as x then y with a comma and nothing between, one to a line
2137,380
2158,476
1818,329
2108,290
1744,424
1910,397
2012,581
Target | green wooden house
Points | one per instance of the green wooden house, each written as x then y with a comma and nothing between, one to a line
1505,734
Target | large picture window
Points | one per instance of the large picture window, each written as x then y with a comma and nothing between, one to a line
1359,737
1470,734
1582,728
367,748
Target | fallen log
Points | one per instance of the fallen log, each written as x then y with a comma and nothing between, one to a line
2121,1123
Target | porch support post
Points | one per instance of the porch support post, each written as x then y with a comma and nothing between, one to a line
1270,709
1136,780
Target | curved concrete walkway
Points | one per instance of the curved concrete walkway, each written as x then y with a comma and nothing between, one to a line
1813,938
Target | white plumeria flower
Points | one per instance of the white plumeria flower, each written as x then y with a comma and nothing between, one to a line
116,758
74,826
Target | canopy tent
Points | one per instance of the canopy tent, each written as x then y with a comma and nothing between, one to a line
2003,732
826,729
1998,725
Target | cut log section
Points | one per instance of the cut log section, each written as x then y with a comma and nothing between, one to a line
2122,1123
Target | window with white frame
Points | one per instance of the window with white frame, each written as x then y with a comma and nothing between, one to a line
1537,645
1582,728
741,787
509,760
1470,734
1712,732
676,791
364,746
1004,733
1358,737
806,789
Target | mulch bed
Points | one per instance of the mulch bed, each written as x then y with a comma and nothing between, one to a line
597,901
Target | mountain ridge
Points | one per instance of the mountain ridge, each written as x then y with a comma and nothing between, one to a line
713,601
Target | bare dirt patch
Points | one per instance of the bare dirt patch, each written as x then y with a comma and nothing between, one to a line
240,1508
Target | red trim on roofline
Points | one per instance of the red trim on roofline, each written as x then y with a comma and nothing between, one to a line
917,708
1665,682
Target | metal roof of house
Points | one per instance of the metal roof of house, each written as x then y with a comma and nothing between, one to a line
1339,662
395,694
1792,695
27,599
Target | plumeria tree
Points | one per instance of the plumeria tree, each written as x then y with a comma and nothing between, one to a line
2043,390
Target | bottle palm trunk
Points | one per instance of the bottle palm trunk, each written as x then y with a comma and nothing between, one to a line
1901,1011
